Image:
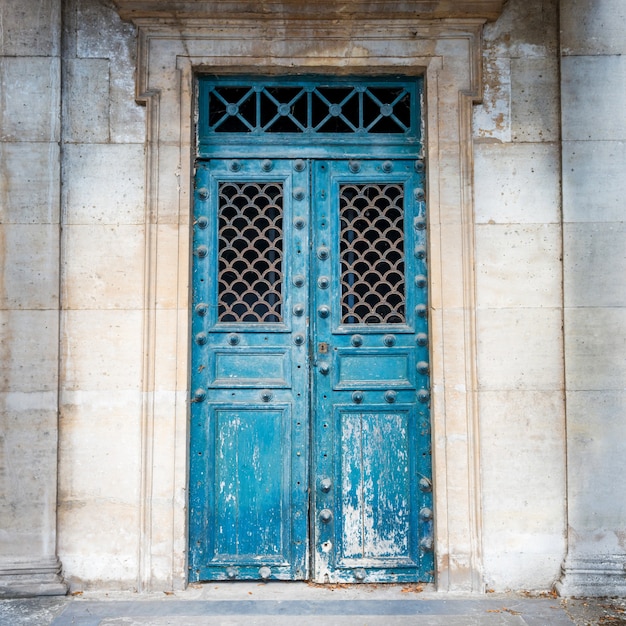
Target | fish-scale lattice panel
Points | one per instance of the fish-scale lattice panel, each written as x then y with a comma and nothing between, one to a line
250,252
372,254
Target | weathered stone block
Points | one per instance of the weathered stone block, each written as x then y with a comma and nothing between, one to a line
30,28
595,264
593,89
590,27
518,265
29,186
104,184
517,183
29,350
86,103
103,266
594,185
595,348
519,349
30,277
30,89
101,350
535,114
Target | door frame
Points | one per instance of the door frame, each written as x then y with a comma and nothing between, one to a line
448,54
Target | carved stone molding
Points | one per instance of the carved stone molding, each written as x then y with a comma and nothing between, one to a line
448,54
598,575
297,9
24,578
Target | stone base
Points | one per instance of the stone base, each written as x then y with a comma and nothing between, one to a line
23,578
602,575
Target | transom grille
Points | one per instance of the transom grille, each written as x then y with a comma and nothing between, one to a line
372,254
250,251
308,108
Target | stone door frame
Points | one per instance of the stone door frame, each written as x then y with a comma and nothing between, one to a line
448,54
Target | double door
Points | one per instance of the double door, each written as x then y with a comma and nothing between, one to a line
310,436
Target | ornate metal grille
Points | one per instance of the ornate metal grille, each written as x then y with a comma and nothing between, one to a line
309,108
250,252
372,254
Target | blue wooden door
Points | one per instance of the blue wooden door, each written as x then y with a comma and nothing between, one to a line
310,447
310,435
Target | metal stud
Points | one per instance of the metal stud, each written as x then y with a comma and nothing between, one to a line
199,395
420,252
201,309
323,253
356,341
360,574
354,166
323,282
421,339
357,397
326,485
298,280
421,310
201,338
298,339
299,223
235,165
202,222
423,396
426,514
323,311
419,194
387,166
233,339
265,572
423,368
266,395
420,166
390,396
202,251
324,368
389,340
203,193
299,193
298,309
421,281
231,572
267,165
419,223
425,485
299,165
326,516
426,544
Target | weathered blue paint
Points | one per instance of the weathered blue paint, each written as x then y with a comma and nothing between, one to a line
310,436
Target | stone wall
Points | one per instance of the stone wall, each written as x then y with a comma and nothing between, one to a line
103,134
593,86
519,299
30,97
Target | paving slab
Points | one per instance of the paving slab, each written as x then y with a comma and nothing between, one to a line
282,604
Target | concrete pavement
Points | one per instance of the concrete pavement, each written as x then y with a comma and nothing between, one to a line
282,604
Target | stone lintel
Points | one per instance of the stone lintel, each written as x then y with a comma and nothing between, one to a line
182,10
38,577
599,575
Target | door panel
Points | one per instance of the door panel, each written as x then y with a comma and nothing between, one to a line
310,372
371,452
249,415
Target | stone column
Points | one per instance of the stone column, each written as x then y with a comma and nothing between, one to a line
30,90
593,84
